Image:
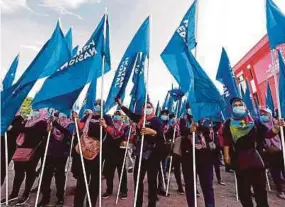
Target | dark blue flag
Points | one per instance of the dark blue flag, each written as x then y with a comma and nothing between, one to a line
281,84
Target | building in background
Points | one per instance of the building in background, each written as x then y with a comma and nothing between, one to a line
256,68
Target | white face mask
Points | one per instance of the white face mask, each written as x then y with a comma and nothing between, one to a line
189,111
149,111
62,116
36,114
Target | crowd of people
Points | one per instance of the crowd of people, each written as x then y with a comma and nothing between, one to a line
247,145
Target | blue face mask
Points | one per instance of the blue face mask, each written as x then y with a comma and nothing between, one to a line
240,112
172,121
117,117
264,118
97,108
164,117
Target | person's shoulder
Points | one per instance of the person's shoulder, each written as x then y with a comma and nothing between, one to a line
156,120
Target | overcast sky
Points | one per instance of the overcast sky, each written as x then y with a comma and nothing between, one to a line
235,24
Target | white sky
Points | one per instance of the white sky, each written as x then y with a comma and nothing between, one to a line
235,24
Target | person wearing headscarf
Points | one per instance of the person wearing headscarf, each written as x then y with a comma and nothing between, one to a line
242,133
32,135
273,151
164,117
57,154
12,134
93,122
204,160
152,152
215,130
173,124
114,157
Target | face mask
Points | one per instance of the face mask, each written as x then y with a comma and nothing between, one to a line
149,111
188,111
264,118
62,116
36,114
172,121
164,117
240,111
97,108
117,117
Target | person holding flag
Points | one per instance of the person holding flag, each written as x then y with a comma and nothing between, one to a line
58,151
26,157
89,127
204,161
152,152
273,151
114,157
243,134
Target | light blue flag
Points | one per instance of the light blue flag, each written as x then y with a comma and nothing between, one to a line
191,39
10,75
76,72
226,77
68,38
275,24
51,56
282,83
139,90
75,50
175,55
248,101
139,43
204,97
90,97
269,99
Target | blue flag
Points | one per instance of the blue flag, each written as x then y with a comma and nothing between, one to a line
76,72
90,97
166,100
10,75
204,97
175,55
275,24
68,39
157,109
191,25
281,84
51,56
248,101
226,77
75,50
269,99
138,91
139,43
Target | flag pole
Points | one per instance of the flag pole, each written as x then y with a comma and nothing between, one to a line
67,169
142,138
194,134
43,166
278,103
102,116
171,157
7,170
82,163
236,187
124,161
